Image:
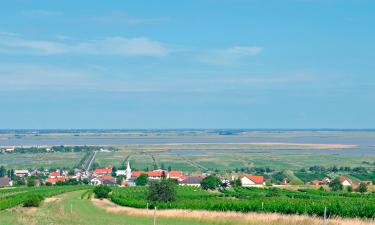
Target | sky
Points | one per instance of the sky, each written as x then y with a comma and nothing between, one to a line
166,64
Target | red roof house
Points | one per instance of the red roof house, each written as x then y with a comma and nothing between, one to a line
346,181
317,182
249,180
55,180
102,171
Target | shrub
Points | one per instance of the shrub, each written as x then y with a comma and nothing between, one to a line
336,185
33,201
102,191
162,191
210,182
362,188
141,180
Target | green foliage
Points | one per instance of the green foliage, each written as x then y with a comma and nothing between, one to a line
210,182
3,171
17,196
102,191
306,201
362,188
236,183
336,185
33,201
114,170
349,189
162,191
296,182
141,180
31,182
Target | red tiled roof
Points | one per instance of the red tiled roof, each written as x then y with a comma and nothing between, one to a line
175,173
156,173
342,179
198,175
138,173
255,179
106,177
54,174
316,182
54,180
103,170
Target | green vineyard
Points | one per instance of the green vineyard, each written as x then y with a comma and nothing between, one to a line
308,202
17,196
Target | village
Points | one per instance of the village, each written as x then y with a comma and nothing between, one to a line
111,176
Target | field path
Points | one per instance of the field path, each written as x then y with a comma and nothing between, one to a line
70,209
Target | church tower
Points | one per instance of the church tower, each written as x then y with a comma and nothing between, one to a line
128,172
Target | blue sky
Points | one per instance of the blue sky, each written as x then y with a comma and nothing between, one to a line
187,64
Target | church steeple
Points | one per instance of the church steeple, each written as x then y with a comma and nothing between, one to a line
128,172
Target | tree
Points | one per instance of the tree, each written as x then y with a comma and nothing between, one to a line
71,172
210,182
296,182
3,171
11,174
362,188
33,201
236,183
119,180
141,180
95,165
169,168
31,182
336,185
162,191
163,176
102,191
349,189
114,170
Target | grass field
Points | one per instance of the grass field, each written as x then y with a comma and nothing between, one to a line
190,158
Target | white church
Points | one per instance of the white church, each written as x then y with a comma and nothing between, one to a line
126,173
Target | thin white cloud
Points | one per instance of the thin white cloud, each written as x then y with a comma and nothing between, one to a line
229,56
139,46
122,18
40,13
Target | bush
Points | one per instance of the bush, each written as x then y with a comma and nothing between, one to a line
362,188
336,185
141,180
210,182
102,191
33,201
162,191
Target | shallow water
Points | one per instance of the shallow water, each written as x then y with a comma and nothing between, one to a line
365,144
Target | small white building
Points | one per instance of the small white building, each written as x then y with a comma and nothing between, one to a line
346,181
252,181
21,173
96,181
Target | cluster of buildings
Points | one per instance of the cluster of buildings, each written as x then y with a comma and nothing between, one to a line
104,176
45,176
346,182
127,177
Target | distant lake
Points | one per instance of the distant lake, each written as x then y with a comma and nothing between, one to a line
365,144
